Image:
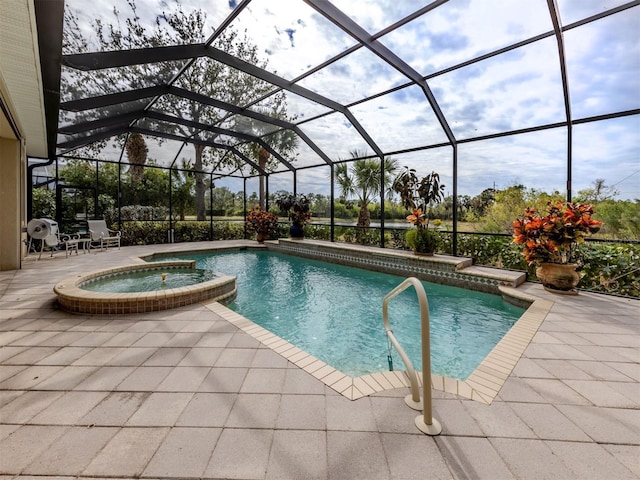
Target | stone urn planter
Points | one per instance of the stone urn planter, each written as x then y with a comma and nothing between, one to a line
261,237
559,278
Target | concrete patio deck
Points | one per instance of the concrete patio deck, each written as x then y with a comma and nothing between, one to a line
185,394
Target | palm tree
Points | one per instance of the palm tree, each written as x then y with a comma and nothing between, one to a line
362,178
137,151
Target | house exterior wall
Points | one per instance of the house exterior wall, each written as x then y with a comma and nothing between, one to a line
13,170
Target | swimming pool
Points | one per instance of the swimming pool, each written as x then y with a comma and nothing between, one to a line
334,312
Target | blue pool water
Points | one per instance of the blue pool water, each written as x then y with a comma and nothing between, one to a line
334,312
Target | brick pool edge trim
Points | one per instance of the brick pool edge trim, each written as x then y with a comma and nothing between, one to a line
72,298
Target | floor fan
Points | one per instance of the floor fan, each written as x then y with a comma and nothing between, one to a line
45,230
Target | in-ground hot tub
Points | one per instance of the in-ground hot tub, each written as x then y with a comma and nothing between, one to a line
162,285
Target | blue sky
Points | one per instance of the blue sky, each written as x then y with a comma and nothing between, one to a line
515,90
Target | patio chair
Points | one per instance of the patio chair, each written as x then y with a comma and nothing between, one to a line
102,236
59,241
52,242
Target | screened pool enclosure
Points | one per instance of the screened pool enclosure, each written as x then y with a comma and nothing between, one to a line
249,98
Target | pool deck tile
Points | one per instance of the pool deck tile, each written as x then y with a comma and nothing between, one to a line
283,349
488,380
382,380
333,377
127,396
371,383
342,384
362,386
305,360
314,366
293,352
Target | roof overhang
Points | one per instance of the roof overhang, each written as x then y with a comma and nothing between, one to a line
22,23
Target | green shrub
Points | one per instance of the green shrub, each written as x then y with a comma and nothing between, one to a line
142,233
44,203
610,268
360,236
343,211
283,229
132,213
227,230
150,233
369,237
345,234
398,239
318,232
486,249
510,257
422,240
191,231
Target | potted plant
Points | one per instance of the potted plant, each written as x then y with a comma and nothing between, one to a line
418,195
264,224
548,241
297,207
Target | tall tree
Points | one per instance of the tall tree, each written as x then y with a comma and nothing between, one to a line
223,201
204,76
137,154
362,178
482,202
183,182
599,192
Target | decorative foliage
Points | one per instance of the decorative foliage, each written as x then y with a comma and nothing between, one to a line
610,268
297,207
262,222
418,195
549,238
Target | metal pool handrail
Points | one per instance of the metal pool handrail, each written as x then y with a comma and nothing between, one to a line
425,423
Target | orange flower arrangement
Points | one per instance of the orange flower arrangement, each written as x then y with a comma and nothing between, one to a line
549,238
262,222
